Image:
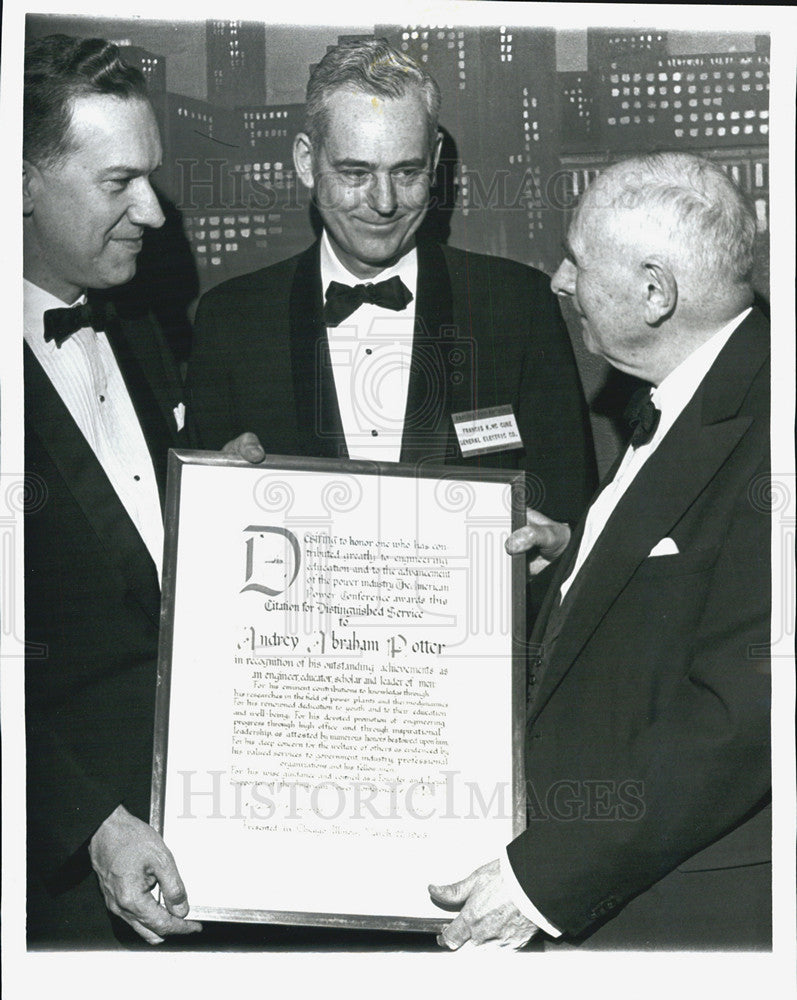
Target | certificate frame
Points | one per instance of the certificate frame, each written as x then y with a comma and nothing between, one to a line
177,495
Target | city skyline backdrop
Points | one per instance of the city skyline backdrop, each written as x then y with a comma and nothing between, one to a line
291,49
530,116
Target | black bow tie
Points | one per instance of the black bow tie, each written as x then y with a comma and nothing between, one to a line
59,324
643,416
342,300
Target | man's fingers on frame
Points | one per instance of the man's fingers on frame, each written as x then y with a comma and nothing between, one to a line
455,935
131,917
448,944
172,888
522,540
455,894
444,896
158,920
144,932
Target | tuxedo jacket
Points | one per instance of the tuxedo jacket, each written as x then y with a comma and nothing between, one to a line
647,747
488,332
92,606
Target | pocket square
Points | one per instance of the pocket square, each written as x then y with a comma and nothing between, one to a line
179,415
666,547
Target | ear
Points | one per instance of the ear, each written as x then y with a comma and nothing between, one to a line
303,159
661,291
438,145
31,180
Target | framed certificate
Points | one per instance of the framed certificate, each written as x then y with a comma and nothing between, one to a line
341,689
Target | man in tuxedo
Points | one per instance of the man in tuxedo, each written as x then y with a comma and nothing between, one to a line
103,404
647,747
367,343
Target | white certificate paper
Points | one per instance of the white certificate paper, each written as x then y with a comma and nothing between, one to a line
340,694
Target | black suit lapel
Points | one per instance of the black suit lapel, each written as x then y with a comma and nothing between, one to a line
47,415
437,385
317,412
707,432
158,433
566,561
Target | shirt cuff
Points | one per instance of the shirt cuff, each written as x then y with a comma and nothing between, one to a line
522,901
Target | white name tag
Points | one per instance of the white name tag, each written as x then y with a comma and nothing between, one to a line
482,431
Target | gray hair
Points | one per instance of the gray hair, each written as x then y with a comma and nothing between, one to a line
372,67
693,198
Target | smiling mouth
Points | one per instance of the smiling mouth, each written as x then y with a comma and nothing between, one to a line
378,225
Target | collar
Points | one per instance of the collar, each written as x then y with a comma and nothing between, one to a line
36,303
333,270
675,391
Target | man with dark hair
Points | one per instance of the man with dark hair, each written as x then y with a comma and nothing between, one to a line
103,403
364,345
647,746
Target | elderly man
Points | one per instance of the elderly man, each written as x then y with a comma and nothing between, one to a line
647,751
103,403
365,345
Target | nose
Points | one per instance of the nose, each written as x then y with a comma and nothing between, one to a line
382,195
145,209
564,281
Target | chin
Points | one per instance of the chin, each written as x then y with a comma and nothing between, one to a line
120,276
381,256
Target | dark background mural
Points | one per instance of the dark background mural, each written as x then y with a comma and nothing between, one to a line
529,115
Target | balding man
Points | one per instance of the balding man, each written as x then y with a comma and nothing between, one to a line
647,751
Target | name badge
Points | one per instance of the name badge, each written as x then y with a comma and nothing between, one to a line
483,431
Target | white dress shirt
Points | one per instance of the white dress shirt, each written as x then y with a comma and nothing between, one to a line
85,374
670,397
371,353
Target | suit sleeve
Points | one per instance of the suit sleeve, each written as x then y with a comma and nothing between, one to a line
692,771
69,798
